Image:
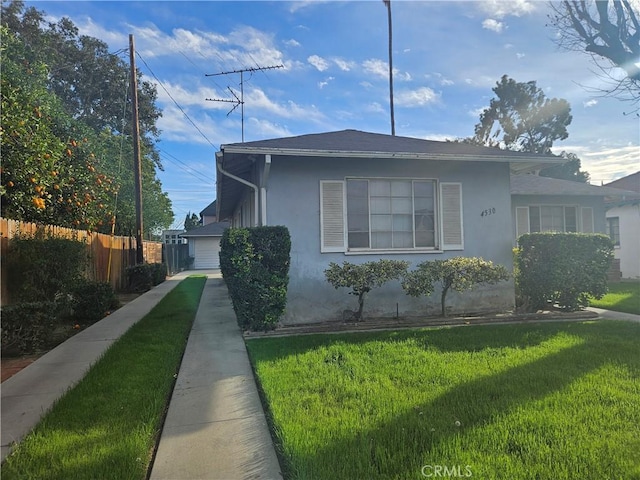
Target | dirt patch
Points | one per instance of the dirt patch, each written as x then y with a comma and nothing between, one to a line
420,322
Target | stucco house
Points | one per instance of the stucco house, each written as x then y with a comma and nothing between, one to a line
357,196
623,225
542,204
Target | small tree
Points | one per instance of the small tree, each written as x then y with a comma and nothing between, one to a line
458,273
362,278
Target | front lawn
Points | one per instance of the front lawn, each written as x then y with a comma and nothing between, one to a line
108,424
622,297
545,401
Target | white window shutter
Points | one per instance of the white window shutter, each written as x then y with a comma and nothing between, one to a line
451,216
332,216
587,219
522,221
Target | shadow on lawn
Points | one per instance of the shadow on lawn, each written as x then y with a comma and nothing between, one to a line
425,434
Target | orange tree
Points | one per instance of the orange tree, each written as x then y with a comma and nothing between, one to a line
50,172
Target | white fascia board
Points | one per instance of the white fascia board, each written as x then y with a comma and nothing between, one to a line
387,155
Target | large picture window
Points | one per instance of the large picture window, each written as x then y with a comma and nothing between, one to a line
391,214
553,219
362,215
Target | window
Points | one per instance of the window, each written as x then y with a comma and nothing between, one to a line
389,214
613,228
553,218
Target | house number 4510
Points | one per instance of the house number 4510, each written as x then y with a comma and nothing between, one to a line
488,211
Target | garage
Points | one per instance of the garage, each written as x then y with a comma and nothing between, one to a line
206,244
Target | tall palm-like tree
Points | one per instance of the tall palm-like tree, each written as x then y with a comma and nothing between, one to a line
393,121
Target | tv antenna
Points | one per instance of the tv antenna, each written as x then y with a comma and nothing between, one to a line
238,101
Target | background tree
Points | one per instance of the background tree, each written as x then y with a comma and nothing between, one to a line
191,221
609,31
523,119
84,89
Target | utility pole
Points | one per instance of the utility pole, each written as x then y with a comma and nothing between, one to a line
393,120
239,101
137,169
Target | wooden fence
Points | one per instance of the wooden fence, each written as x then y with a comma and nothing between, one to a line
103,250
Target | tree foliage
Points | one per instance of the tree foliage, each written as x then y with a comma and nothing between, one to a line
457,273
67,156
522,118
609,31
191,221
361,279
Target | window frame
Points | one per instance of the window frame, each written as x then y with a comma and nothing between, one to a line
615,237
436,214
447,212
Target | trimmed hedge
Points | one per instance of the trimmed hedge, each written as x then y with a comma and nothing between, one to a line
255,266
90,301
145,275
562,268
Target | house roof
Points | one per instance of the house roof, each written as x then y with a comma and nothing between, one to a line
536,185
355,143
215,229
238,158
630,182
209,210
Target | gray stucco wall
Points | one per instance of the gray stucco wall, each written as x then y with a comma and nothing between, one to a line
293,199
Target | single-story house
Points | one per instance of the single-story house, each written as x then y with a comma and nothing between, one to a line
205,242
542,204
623,223
356,196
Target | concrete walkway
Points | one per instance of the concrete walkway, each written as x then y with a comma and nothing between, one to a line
611,315
215,427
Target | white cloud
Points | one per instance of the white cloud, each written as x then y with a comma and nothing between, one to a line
374,107
604,162
380,68
520,55
590,103
494,25
476,112
325,82
320,63
501,9
292,43
416,98
376,67
344,65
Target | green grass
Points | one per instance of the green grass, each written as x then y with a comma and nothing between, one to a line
108,424
546,401
622,297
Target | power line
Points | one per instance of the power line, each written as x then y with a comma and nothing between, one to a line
176,103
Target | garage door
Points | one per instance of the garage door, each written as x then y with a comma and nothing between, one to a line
207,251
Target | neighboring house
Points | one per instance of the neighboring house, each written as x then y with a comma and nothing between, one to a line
172,237
206,244
356,196
209,215
623,225
542,204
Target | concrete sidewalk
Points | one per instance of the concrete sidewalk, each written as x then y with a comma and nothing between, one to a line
215,427
30,393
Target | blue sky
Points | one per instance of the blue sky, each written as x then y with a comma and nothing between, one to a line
447,58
